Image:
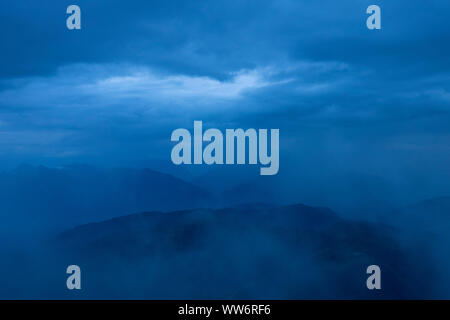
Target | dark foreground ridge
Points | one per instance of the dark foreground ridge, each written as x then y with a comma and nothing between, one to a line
246,252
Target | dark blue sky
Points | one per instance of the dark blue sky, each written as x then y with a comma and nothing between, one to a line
346,99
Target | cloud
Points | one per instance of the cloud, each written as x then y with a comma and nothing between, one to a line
92,87
214,39
89,108
106,83
147,85
139,69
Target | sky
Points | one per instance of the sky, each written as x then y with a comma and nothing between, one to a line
348,101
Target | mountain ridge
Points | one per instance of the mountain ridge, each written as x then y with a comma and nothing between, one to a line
295,246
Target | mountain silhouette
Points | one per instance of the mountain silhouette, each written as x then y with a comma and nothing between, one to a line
246,252
42,197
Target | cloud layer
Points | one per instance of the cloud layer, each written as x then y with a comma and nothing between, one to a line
374,100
